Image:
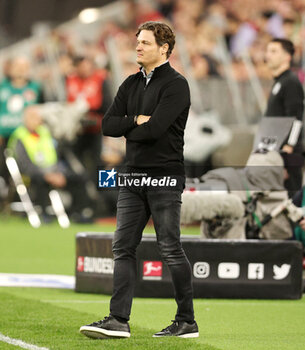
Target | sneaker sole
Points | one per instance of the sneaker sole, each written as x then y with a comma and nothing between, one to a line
188,335
99,333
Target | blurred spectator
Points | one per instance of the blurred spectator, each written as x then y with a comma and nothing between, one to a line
146,12
204,66
90,84
166,8
16,92
37,158
66,67
247,33
232,25
6,68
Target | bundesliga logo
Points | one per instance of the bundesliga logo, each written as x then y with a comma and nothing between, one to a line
152,270
95,265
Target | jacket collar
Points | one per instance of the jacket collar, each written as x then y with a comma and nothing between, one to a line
282,74
163,67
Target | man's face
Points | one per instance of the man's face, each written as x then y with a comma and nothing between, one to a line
32,118
85,68
276,55
148,51
19,68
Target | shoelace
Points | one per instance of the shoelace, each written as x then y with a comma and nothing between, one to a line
98,323
171,327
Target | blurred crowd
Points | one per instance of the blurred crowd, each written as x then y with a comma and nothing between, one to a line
84,68
244,26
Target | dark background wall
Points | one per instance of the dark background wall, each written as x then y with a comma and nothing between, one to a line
17,16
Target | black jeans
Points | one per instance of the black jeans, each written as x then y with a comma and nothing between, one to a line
134,208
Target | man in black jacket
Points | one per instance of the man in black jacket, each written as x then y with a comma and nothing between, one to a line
286,100
150,110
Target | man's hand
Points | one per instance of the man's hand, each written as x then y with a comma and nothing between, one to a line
302,224
287,149
143,119
57,180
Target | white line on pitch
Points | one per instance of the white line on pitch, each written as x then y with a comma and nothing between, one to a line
76,301
20,343
103,301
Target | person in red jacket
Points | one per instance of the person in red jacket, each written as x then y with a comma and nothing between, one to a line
91,84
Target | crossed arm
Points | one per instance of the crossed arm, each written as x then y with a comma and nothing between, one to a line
175,98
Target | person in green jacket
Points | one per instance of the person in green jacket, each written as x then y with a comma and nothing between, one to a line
17,91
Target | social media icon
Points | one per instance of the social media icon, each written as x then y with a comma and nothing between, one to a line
201,269
256,271
228,270
107,178
281,272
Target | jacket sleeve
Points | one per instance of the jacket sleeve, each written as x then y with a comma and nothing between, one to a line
27,167
107,98
116,123
174,100
298,198
294,100
25,164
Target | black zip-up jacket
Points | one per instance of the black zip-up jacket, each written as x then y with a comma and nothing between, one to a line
287,100
287,97
157,144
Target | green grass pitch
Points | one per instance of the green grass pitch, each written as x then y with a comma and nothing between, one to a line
51,317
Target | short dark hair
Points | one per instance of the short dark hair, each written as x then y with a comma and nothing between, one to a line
286,44
162,32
